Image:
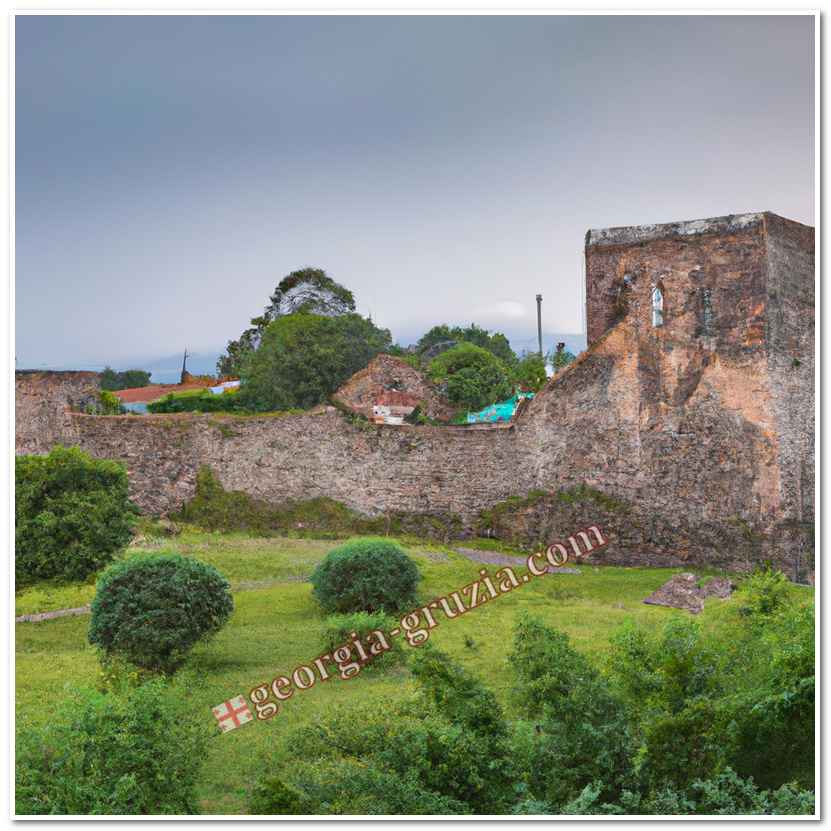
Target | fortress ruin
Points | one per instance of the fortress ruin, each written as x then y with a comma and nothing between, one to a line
685,430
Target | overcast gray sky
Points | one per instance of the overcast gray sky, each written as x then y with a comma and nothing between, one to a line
171,170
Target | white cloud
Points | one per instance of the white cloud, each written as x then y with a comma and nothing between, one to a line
501,310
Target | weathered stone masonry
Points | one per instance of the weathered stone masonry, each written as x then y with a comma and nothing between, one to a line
701,429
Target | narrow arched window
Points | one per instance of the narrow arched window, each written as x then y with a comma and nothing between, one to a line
657,306
706,312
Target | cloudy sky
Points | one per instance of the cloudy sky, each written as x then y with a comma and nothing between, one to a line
171,170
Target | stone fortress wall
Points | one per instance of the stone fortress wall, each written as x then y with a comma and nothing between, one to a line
690,442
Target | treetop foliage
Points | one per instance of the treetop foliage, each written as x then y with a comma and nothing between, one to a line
471,376
308,290
560,359
530,372
137,752
128,379
495,343
303,358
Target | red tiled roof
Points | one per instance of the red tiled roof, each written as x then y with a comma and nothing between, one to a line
154,391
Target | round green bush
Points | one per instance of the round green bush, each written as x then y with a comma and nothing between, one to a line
471,376
153,609
366,575
72,514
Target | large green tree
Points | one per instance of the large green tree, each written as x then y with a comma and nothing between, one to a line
529,372
496,343
308,290
303,358
472,376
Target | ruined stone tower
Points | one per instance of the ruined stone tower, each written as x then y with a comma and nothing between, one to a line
720,315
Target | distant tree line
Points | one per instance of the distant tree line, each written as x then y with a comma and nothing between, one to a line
128,379
309,340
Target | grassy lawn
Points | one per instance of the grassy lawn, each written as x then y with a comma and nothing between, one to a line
277,625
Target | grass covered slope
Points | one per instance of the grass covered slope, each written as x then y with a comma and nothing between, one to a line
277,625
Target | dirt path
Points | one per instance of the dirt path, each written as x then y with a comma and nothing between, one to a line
35,618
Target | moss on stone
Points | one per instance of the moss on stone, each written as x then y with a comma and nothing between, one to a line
500,513
225,430
490,517
582,493
216,509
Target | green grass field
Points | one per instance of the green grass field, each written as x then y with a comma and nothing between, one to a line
278,625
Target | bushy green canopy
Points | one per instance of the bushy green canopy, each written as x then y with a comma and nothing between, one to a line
530,372
308,290
494,342
153,609
303,358
72,514
472,376
368,574
128,379
674,723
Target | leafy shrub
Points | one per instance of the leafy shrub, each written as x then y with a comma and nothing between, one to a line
682,747
728,794
790,799
559,359
355,786
424,755
153,609
271,795
136,753
582,730
367,574
723,794
531,806
458,696
772,716
107,404
496,342
660,673
341,628
217,509
72,514
473,376
530,372
763,593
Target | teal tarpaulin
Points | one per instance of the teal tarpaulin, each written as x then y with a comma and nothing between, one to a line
502,411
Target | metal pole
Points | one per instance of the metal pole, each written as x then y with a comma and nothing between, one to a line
539,321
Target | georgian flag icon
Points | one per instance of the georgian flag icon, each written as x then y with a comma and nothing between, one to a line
232,714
